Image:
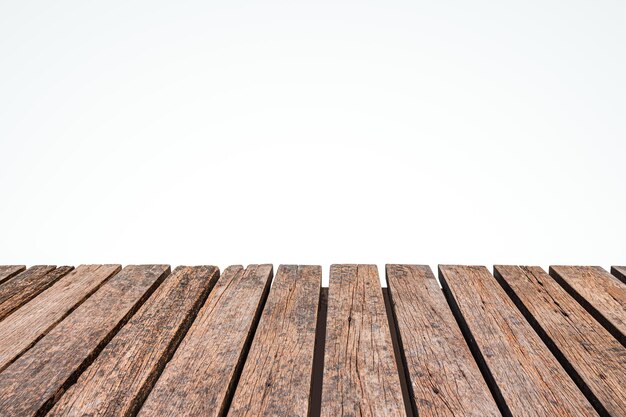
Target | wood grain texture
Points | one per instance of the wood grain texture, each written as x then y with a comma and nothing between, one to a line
619,272
525,377
36,380
201,376
119,380
276,379
588,351
360,373
444,377
602,295
20,330
25,286
9,271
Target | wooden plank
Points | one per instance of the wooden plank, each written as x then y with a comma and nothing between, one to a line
119,380
619,272
37,379
201,376
525,377
602,295
444,378
31,322
9,271
360,373
596,361
276,379
25,286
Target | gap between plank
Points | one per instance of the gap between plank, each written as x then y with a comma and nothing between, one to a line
317,376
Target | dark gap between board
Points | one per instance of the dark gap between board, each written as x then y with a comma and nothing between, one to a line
317,373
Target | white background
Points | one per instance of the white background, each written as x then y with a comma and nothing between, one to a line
206,132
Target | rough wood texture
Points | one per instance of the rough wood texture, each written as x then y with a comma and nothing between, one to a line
28,324
619,272
36,380
25,286
360,373
603,295
595,359
276,379
525,377
444,377
8,271
200,377
119,380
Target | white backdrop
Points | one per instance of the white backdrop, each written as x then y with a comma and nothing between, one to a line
220,132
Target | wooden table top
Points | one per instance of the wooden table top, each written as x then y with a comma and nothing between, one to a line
143,340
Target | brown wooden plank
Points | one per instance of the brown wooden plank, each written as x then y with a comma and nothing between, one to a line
8,271
443,375
525,377
596,361
360,372
28,324
119,380
201,376
276,379
602,295
37,379
619,272
25,286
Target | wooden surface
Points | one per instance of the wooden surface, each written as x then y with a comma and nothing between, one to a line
29,323
444,377
36,380
124,373
603,295
619,272
276,380
200,378
360,373
25,286
95,341
530,380
591,354
8,271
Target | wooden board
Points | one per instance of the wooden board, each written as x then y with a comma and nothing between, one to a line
525,377
360,372
444,378
592,356
119,380
602,295
201,376
28,324
36,380
25,286
619,272
8,271
276,379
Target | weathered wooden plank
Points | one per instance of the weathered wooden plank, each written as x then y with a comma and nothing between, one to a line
201,376
38,378
360,373
28,324
602,295
525,377
119,380
619,272
596,361
9,271
25,286
443,375
276,379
